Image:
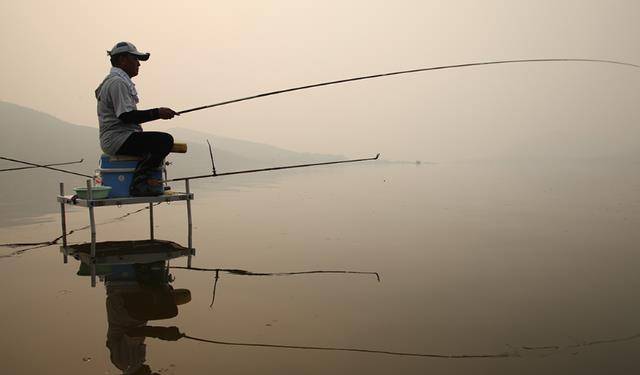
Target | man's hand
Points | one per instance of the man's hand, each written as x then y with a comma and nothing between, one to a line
167,113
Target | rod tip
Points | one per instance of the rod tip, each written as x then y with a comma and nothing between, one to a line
376,158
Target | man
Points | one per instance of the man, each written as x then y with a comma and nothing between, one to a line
119,118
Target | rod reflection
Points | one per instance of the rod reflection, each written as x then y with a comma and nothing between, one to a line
239,272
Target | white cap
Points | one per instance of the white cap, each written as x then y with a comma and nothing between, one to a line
127,47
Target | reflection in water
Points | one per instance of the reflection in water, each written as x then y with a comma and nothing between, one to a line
138,293
356,350
235,271
56,240
239,272
475,257
557,348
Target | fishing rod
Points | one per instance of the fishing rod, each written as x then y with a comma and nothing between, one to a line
402,72
214,174
46,167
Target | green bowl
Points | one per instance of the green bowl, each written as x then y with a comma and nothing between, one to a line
98,192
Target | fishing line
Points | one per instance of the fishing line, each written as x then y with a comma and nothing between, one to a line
402,72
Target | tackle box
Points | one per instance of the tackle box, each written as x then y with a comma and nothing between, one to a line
117,172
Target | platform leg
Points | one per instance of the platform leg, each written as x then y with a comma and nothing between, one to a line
151,221
92,223
190,225
63,220
93,273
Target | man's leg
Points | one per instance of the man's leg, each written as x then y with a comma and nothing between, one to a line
153,147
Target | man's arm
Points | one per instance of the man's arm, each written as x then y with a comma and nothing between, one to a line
139,117
125,106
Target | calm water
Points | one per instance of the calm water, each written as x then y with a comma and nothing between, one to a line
474,259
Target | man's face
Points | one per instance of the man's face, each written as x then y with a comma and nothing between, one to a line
130,65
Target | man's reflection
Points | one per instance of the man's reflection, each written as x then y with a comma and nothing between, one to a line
137,294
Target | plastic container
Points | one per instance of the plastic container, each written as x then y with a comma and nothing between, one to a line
117,173
98,192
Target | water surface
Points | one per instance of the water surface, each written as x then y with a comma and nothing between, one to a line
475,258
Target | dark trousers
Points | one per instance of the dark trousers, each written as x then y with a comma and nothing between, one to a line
153,146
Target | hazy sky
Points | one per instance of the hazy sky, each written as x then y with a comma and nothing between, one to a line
208,51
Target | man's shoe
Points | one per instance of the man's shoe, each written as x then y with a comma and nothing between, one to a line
143,186
144,190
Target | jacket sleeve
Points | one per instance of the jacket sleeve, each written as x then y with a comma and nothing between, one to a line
139,117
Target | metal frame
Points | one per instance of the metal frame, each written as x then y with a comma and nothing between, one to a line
107,256
91,203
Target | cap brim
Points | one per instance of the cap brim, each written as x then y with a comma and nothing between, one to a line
141,56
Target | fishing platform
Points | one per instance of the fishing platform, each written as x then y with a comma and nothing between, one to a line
96,253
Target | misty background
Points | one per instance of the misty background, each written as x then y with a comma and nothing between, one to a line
518,229
204,52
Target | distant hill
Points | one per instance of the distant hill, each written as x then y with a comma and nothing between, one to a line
41,138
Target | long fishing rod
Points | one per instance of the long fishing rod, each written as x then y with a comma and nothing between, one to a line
45,166
402,72
269,169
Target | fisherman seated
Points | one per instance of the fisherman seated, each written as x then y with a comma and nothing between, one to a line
120,120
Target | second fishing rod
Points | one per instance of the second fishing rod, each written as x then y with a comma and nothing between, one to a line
214,173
